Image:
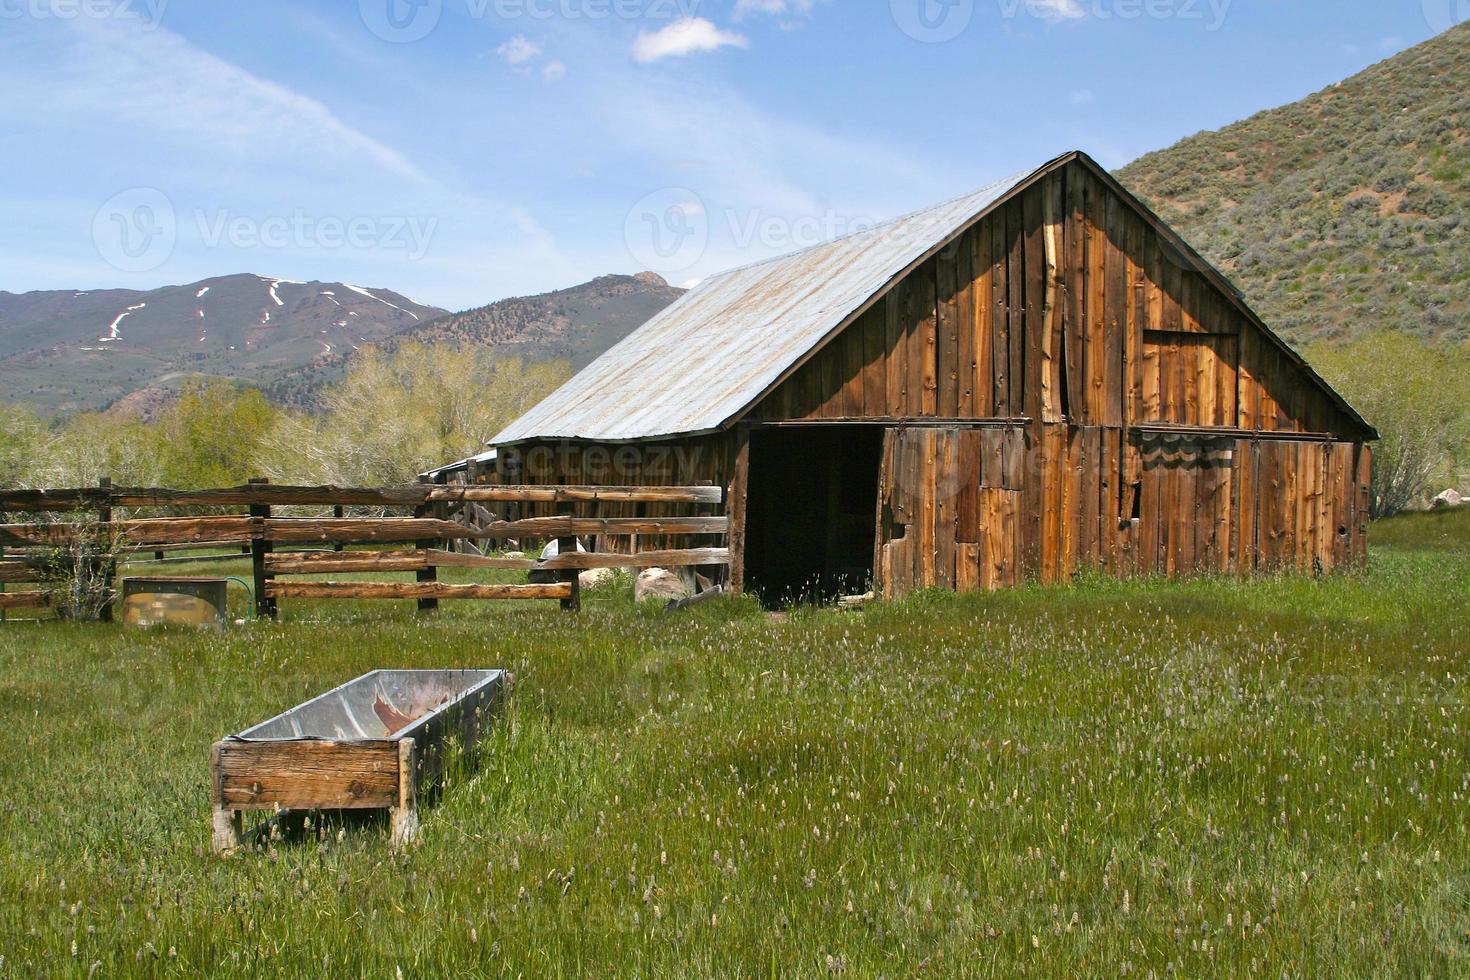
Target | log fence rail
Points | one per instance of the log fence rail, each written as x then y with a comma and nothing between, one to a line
425,541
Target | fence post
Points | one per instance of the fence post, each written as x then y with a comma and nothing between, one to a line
567,545
260,546
103,565
431,572
338,512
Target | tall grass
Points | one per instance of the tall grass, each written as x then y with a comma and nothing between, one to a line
1116,778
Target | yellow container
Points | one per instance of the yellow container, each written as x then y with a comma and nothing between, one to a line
174,602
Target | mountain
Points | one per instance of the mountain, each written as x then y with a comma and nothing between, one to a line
1346,212
575,324
71,350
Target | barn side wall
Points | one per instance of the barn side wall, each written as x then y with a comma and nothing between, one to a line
985,508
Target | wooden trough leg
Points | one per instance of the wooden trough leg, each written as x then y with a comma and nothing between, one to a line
404,818
227,823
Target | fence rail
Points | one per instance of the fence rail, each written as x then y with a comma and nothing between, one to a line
282,495
429,530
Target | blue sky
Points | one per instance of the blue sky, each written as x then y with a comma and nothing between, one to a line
460,151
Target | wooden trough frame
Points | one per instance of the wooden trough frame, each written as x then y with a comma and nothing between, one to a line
366,745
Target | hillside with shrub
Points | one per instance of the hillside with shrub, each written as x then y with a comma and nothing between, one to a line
1343,213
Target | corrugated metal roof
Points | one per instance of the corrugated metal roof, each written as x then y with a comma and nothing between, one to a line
463,464
709,356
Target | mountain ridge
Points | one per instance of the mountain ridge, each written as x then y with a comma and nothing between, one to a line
70,350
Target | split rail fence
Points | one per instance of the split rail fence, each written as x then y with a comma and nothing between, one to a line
439,518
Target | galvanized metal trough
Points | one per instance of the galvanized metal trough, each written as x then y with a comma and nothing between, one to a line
369,744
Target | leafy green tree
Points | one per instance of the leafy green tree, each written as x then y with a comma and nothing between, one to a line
214,435
395,415
1418,396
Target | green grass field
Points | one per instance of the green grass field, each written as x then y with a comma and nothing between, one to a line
1118,778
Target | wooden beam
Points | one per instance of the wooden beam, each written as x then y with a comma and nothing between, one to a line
27,600
413,590
332,496
149,532
563,495
298,530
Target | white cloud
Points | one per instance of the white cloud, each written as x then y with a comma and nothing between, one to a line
683,37
518,50
554,72
774,8
1057,9
1082,96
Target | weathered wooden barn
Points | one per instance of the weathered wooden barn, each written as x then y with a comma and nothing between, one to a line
1038,378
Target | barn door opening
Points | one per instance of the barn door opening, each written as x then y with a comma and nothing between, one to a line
811,513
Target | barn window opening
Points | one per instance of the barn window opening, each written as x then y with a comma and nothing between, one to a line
811,512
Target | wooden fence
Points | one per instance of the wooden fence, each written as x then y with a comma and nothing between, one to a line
425,537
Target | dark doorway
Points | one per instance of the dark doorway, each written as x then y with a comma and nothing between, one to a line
811,512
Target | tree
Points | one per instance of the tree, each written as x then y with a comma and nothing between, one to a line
215,434
22,433
1418,396
87,447
396,415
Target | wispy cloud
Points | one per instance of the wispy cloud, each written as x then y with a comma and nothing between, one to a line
1057,9
518,50
788,9
684,37
155,80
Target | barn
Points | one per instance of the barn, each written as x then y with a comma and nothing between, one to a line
1035,379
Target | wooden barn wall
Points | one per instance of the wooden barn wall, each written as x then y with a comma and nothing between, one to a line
986,508
1063,304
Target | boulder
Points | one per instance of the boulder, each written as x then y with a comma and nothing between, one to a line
1449,498
594,577
660,584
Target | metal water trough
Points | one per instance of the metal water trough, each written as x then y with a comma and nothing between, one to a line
366,745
